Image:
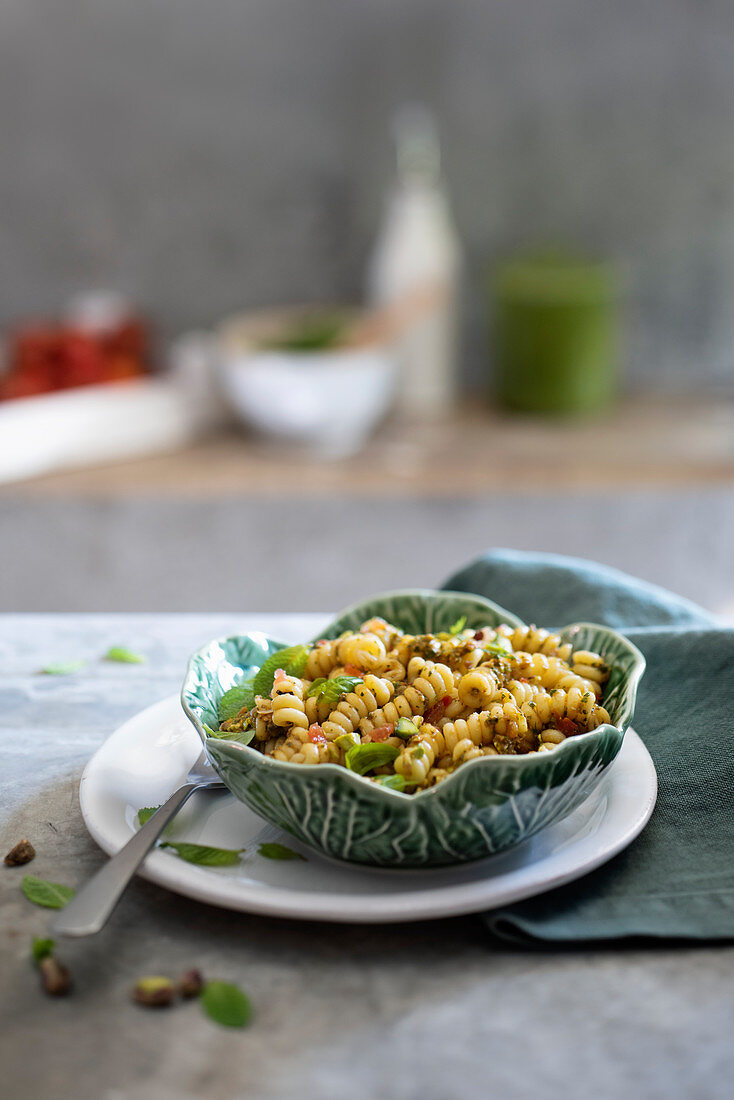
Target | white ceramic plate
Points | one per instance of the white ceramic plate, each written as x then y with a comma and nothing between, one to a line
143,762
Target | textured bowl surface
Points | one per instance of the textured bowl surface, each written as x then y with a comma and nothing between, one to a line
485,806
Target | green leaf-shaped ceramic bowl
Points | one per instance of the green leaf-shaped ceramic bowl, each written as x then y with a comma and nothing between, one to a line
485,806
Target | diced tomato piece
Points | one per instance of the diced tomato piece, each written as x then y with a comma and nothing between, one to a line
382,732
523,680
280,674
120,368
316,734
438,710
352,670
479,635
567,726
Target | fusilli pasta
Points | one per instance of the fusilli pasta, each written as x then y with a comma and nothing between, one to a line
410,709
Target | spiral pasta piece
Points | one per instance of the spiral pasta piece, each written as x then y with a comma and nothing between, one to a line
417,759
390,714
367,697
393,669
321,660
263,718
590,666
287,703
432,683
579,706
532,639
365,651
549,672
298,748
505,717
463,657
388,633
480,686
433,680
417,645
318,709
522,691
474,728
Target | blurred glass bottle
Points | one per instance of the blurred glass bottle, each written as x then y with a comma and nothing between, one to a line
415,267
556,333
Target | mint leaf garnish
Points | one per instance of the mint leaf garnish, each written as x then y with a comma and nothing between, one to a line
146,813
278,851
124,656
242,737
363,758
204,854
238,698
458,626
493,649
292,660
226,1004
332,690
394,782
41,949
51,895
62,668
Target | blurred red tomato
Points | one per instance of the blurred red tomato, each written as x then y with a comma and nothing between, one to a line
43,357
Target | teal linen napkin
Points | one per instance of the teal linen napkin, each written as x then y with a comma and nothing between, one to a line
676,881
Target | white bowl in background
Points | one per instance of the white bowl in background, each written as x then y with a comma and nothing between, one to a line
329,399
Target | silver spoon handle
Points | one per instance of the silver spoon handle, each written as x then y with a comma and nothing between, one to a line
88,911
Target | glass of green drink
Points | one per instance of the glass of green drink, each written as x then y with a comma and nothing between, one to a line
556,333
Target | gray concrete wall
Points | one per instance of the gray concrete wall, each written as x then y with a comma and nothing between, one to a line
322,554
205,156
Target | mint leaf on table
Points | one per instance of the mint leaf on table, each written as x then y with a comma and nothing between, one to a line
204,854
124,656
332,690
51,895
272,850
226,1004
292,660
146,812
239,697
62,668
363,758
42,948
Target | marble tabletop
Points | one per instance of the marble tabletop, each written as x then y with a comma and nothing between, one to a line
434,1010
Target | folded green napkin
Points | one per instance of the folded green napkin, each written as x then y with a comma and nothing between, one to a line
677,879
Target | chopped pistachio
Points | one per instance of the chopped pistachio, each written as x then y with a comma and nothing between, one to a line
154,992
347,741
23,852
191,984
405,728
55,977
